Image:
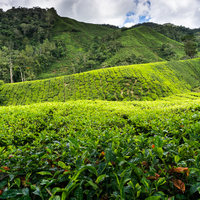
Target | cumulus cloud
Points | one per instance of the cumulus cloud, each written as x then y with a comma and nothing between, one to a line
120,12
184,12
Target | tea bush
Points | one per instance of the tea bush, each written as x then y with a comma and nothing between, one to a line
135,82
101,150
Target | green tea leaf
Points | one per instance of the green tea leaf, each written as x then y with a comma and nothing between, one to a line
101,168
25,198
158,142
159,151
64,196
45,173
62,165
3,183
101,178
74,142
110,155
55,198
11,193
153,198
25,191
93,185
193,189
161,181
83,168
176,158
145,183
17,182
57,189
79,193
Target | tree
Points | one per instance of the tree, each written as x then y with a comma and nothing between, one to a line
190,45
2,98
8,59
168,51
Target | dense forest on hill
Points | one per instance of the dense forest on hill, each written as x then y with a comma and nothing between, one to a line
26,47
36,43
172,31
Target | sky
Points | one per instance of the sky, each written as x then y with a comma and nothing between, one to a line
122,13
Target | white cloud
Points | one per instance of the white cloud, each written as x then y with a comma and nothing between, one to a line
95,11
184,12
129,24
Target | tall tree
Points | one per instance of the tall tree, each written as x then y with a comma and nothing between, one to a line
190,45
8,58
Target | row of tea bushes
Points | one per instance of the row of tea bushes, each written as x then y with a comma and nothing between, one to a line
135,82
131,150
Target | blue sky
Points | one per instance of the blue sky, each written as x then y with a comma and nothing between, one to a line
120,12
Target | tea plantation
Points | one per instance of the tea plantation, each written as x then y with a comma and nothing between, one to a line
135,82
74,144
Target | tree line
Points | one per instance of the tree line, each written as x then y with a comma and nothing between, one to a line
24,65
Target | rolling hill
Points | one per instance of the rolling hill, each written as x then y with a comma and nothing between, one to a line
135,82
54,46
139,45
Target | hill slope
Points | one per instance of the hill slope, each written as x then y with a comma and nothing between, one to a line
121,47
170,30
135,82
55,46
145,43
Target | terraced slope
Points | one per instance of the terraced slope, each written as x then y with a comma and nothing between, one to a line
145,42
135,82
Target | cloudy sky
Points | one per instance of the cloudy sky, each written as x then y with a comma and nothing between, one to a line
120,12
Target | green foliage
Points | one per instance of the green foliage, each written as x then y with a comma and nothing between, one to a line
170,30
135,82
100,149
75,47
2,97
190,45
168,52
23,26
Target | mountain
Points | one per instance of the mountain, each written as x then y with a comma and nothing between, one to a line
43,45
172,31
91,47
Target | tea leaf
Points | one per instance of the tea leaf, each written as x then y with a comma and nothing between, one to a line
179,184
176,158
159,151
45,173
110,155
11,193
17,182
74,142
79,193
153,198
161,181
158,142
62,164
101,178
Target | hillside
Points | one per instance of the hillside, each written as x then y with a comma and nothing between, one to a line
170,30
56,46
120,47
135,82
144,43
